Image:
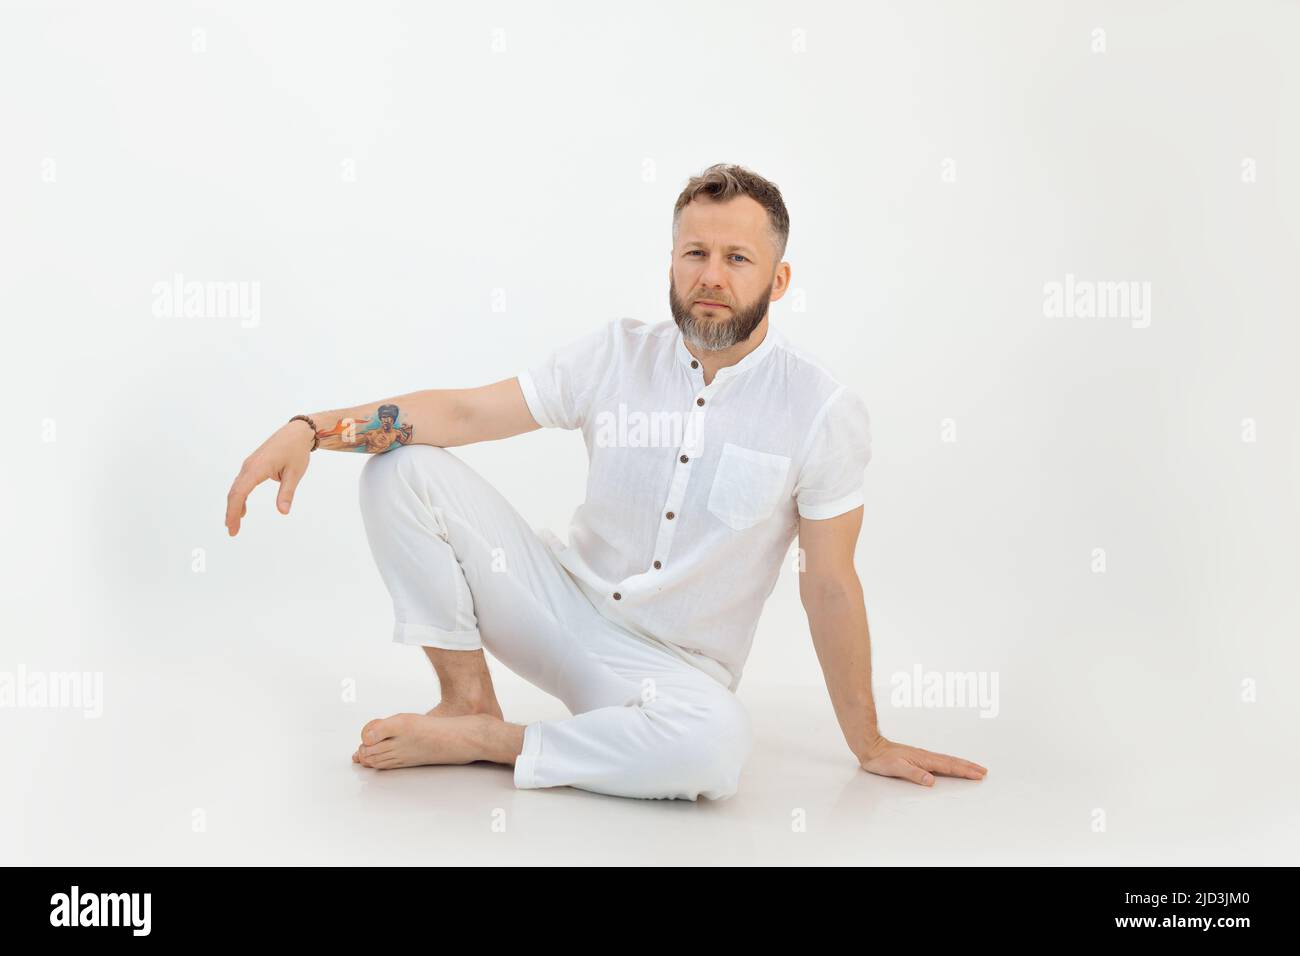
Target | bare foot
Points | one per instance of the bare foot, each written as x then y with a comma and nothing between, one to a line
413,740
446,708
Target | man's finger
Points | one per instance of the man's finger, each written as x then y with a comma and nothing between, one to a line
969,766
901,767
236,501
289,479
232,508
917,774
950,766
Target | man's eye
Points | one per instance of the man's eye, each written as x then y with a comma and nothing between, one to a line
737,255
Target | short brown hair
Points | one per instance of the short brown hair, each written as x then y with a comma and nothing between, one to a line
723,181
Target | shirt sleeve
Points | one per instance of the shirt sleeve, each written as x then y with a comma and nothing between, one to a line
831,479
559,390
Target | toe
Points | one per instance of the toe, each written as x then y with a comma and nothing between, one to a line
372,754
378,730
369,729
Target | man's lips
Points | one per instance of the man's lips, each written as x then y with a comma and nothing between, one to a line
714,304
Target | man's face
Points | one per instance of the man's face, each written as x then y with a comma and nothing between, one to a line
385,422
724,272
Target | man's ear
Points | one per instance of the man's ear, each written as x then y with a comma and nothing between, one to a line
781,281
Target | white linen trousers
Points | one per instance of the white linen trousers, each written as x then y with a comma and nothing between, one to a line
465,571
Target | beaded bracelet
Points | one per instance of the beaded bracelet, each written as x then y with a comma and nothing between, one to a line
315,440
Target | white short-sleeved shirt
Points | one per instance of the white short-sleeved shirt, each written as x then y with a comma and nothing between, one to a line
693,490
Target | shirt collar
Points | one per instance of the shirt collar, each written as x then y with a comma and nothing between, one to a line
769,342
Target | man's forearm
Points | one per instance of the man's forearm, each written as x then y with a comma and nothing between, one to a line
415,418
838,622
445,417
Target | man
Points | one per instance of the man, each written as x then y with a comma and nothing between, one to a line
712,442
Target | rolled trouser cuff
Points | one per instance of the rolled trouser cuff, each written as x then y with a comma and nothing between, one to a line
526,762
425,635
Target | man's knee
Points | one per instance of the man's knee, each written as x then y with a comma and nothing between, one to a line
388,472
713,749
731,737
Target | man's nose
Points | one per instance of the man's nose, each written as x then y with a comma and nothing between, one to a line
713,275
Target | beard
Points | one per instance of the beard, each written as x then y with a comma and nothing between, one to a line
715,334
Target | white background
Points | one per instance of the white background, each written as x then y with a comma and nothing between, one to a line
547,171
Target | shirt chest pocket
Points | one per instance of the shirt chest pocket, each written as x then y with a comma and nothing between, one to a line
747,486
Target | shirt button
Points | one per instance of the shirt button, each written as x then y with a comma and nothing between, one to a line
684,459
617,596
699,401
694,364
658,565
669,516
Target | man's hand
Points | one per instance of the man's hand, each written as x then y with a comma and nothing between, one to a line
284,457
912,763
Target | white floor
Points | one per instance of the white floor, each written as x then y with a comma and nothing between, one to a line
219,765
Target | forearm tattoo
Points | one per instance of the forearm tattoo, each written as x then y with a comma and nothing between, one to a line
382,431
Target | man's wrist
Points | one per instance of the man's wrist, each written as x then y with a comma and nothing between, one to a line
308,429
869,742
